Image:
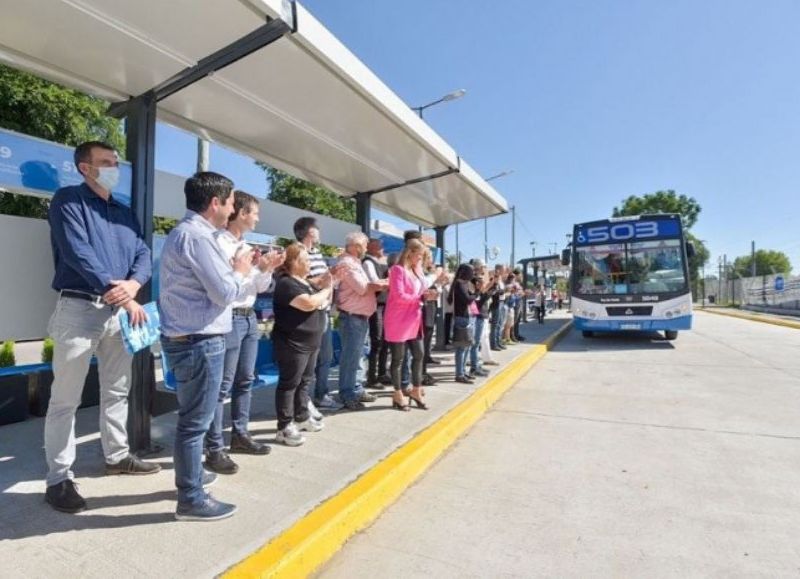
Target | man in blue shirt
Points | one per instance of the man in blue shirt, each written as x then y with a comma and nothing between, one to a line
101,262
198,285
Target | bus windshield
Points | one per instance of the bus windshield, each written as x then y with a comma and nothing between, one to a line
640,267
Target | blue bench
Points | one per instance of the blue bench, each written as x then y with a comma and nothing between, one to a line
266,370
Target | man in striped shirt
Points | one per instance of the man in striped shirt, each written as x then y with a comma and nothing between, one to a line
306,231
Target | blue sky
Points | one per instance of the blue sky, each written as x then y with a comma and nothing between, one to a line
589,102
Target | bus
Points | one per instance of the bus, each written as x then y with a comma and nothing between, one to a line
630,274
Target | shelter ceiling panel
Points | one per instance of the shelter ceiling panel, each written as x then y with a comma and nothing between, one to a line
126,47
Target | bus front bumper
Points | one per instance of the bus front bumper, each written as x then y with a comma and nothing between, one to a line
634,325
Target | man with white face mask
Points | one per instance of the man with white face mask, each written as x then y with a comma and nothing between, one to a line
101,262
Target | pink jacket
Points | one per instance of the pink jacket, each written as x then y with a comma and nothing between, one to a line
402,319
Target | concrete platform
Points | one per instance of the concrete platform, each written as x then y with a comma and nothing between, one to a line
129,528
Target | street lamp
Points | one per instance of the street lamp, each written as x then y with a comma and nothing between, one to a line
486,220
451,96
533,249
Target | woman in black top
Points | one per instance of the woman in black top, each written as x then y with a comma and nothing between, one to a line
462,294
299,325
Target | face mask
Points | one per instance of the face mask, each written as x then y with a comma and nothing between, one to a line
108,177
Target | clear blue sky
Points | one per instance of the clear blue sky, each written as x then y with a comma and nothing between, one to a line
589,102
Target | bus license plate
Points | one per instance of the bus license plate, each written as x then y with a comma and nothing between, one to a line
630,326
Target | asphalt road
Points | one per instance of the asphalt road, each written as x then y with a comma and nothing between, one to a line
615,457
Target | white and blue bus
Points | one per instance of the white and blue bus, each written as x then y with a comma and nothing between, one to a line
630,274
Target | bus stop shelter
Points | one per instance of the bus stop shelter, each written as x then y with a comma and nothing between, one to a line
263,77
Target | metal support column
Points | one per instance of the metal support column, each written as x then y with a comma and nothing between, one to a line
363,210
141,140
439,345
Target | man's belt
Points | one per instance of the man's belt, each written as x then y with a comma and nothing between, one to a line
95,299
190,338
244,312
362,316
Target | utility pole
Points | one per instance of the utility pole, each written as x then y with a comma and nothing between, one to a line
202,155
719,281
753,259
513,233
486,241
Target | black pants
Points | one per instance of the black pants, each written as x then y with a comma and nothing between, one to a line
427,342
295,375
378,348
540,314
398,354
517,319
448,328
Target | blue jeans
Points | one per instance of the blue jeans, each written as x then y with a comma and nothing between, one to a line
353,331
497,325
241,349
324,359
461,351
197,365
474,359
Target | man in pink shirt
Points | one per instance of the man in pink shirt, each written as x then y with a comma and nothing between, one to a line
356,302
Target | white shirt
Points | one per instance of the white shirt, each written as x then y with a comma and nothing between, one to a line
255,283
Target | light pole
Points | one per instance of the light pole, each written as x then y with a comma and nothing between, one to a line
533,249
486,221
451,96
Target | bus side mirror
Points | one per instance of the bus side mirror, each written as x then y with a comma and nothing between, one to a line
565,256
690,252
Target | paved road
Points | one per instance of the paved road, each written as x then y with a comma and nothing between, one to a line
616,457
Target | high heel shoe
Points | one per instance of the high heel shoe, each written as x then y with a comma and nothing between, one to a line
418,402
401,407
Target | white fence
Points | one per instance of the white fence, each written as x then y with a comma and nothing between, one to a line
776,292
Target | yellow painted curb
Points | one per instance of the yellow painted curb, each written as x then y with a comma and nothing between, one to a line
773,321
317,536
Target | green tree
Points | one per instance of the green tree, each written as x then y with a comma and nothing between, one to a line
661,202
304,195
670,202
768,262
37,107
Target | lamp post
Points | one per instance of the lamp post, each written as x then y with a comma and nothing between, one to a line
451,96
486,221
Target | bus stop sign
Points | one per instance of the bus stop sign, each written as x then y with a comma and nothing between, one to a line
779,283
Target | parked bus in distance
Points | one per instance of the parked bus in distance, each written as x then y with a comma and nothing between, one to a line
630,274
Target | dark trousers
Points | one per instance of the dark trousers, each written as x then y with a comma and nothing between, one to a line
378,348
295,375
540,314
398,350
427,341
448,328
517,319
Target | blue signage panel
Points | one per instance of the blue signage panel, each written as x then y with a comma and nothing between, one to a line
42,167
621,231
780,283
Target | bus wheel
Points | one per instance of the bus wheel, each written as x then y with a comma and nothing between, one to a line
671,334
587,333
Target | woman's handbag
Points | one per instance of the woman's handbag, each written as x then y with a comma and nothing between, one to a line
463,337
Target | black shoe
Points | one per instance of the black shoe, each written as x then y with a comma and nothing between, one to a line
133,465
464,380
244,444
433,361
354,405
480,372
385,379
519,339
374,384
64,497
428,380
497,349
221,463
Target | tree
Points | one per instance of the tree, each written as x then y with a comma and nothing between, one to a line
304,195
768,262
34,106
661,202
451,261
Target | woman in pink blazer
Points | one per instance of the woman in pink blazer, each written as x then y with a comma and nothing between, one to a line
402,321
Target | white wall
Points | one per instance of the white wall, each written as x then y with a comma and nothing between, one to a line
26,272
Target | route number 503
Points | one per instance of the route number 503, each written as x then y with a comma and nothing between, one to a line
622,231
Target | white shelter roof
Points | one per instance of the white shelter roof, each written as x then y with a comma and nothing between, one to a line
304,103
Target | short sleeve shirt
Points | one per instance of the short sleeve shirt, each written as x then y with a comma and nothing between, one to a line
301,330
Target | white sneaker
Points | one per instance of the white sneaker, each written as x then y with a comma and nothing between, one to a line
290,436
312,410
311,425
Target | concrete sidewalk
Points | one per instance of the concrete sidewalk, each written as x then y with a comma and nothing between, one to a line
129,526
763,317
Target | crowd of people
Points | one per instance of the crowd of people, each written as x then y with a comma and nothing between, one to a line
210,278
